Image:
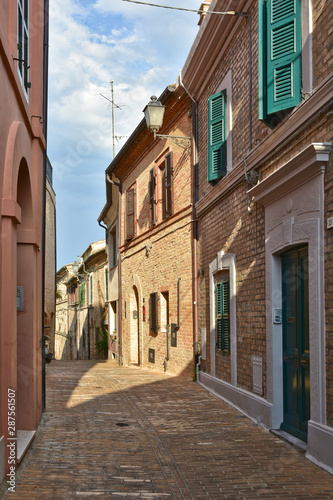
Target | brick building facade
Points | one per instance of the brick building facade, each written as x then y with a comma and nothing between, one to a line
155,315
262,79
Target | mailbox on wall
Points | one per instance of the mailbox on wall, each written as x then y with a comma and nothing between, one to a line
19,298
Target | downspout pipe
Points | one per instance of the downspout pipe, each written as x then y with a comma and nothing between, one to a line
166,359
198,368
195,224
45,94
119,305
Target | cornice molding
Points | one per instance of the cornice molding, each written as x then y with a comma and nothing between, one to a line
302,114
299,170
211,42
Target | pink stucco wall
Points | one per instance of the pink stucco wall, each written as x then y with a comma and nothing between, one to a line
22,144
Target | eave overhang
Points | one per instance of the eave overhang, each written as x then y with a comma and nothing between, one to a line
212,40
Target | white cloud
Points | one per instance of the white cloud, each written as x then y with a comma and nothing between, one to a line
92,42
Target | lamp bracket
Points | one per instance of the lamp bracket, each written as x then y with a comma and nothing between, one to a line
180,140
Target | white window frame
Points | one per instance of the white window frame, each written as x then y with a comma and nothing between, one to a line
25,31
306,21
223,262
106,283
113,246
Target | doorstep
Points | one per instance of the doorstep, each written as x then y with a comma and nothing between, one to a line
24,439
294,441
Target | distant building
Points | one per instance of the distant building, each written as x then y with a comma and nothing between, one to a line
61,339
23,104
109,216
82,306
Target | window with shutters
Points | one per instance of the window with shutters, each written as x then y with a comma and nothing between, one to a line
130,213
167,208
153,312
23,43
152,194
113,247
279,57
222,310
162,203
81,294
72,292
217,140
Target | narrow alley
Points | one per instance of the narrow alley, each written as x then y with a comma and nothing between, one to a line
112,432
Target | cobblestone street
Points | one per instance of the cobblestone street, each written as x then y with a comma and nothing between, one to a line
114,433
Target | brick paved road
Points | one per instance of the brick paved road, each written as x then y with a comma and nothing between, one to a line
117,433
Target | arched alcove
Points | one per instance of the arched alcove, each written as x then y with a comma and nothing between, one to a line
24,197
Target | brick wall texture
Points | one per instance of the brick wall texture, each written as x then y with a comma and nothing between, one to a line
158,258
227,225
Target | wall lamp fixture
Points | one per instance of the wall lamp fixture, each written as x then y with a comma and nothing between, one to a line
154,112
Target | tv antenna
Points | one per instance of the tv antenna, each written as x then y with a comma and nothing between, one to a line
113,105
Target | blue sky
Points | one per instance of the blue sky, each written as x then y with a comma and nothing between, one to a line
141,49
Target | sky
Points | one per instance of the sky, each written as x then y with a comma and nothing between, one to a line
93,42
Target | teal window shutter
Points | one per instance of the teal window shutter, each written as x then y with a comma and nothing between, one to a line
279,55
217,140
222,298
262,59
81,294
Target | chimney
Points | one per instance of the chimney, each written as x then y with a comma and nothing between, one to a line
204,6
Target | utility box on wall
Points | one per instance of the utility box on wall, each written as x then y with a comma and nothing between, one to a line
257,374
151,356
173,335
19,298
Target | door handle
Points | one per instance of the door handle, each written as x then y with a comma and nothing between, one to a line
305,361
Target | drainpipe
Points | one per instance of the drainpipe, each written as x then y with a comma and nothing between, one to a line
45,93
178,290
195,224
168,353
198,367
120,309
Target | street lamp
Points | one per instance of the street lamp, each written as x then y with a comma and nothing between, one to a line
154,112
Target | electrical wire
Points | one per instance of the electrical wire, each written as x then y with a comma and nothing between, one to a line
229,12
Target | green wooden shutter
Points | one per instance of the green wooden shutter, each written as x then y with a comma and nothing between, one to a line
284,43
279,55
222,297
81,294
217,141
262,59
168,185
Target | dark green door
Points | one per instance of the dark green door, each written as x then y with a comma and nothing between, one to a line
296,353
